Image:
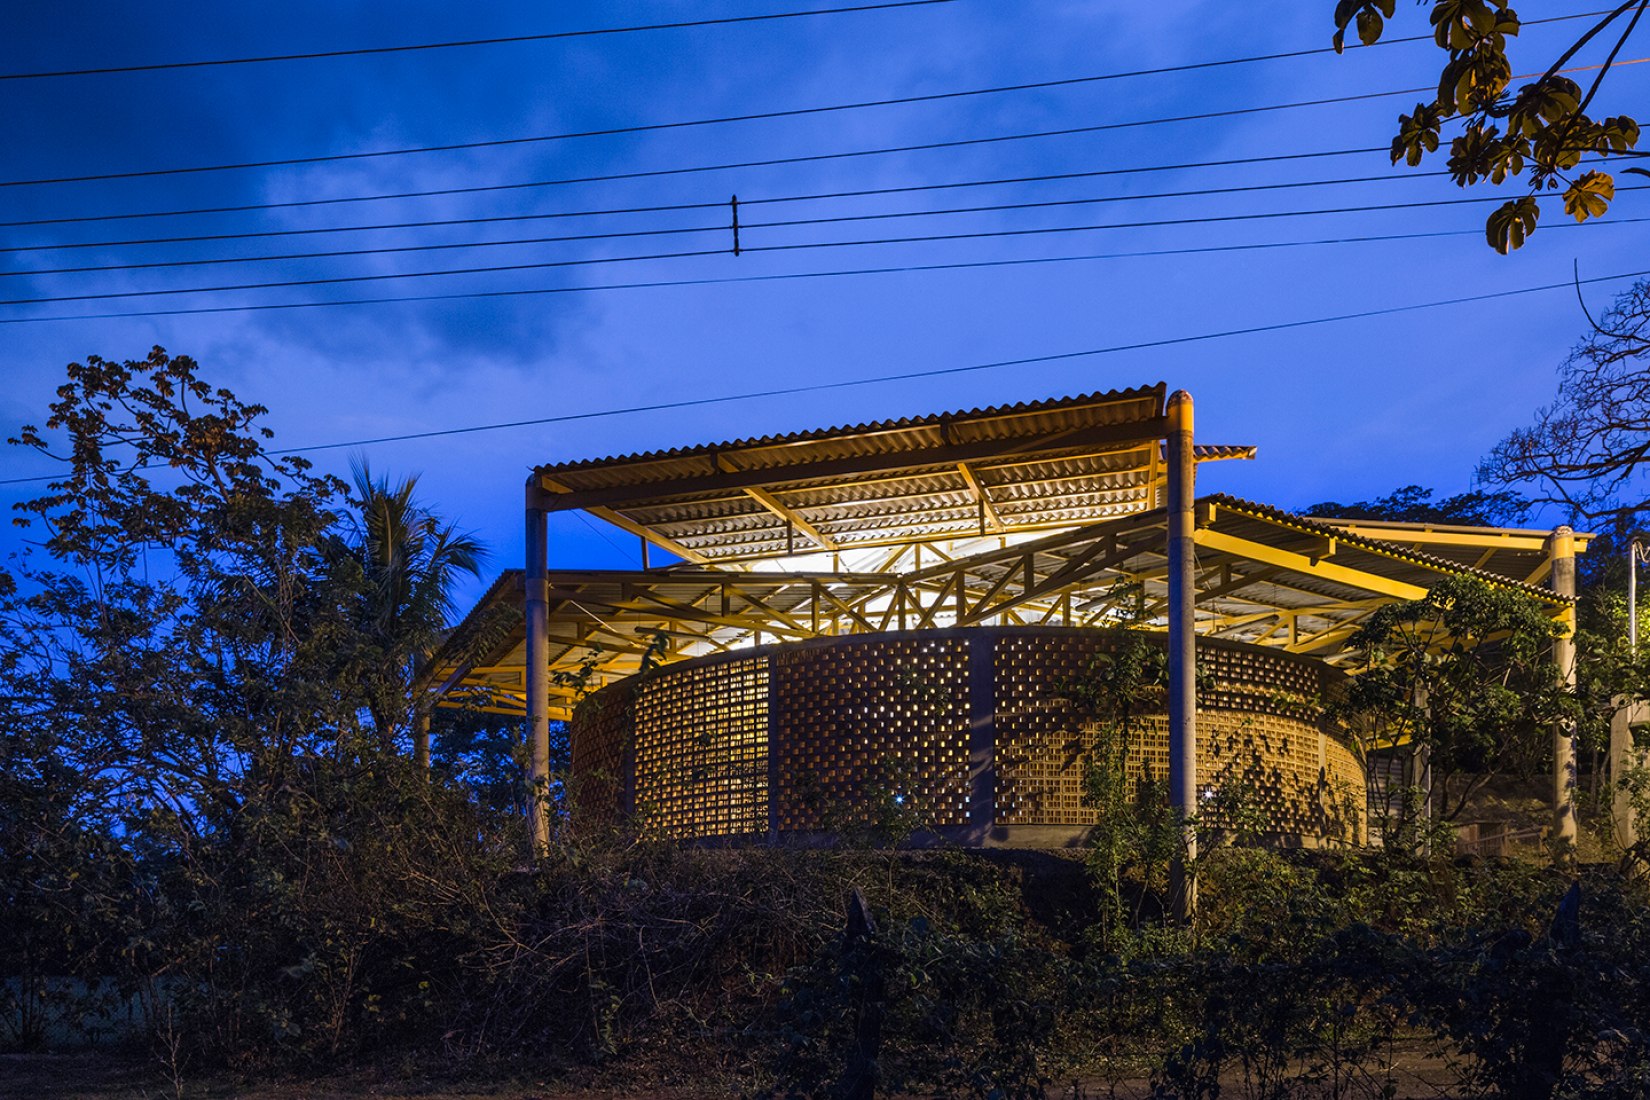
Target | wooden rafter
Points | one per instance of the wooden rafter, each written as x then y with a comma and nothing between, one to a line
790,516
989,520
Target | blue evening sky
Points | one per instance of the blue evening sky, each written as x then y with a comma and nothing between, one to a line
1342,410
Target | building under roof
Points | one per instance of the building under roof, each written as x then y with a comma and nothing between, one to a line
1052,513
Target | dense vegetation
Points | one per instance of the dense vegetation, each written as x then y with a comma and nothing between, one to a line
213,811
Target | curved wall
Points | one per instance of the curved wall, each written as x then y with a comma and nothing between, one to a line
968,731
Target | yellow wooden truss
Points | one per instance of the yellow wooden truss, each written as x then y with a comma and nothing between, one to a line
1262,576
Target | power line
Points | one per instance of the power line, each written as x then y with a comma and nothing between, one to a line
379,251
620,176
720,228
1144,345
539,265
939,372
793,112
469,42
658,284
201,238
499,142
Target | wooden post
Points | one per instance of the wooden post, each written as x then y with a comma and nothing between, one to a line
862,971
536,607
1182,644
1561,549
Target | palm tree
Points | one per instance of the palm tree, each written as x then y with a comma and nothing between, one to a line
410,561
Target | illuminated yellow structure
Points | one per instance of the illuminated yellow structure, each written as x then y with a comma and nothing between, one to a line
898,610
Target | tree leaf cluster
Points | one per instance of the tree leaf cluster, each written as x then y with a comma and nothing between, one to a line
1544,126
1464,675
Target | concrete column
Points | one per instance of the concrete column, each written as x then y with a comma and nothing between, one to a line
1562,551
536,607
1182,475
982,734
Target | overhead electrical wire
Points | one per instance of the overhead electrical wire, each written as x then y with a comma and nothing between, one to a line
756,116
201,238
540,265
514,39
717,228
1031,360
734,279
481,188
938,372
494,143
518,39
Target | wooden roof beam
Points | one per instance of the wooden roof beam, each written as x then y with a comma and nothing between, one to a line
1307,566
990,521
790,516
667,544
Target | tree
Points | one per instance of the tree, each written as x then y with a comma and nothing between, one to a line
191,792
409,562
1586,448
1544,125
1463,675
199,612
178,626
1413,504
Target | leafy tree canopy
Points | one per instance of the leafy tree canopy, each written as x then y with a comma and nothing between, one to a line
1466,673
1546,125
198,617
1413,504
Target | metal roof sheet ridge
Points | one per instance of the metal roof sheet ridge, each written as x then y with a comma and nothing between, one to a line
1314,526
1051,404
1405,525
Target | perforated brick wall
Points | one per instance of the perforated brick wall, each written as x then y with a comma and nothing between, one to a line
702,749
862,726
600,737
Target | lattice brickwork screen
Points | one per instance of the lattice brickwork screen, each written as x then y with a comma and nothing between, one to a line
1041,745
1256,729
1346,795
888,716
1268,764
600,737
859,723
702,749
1258,682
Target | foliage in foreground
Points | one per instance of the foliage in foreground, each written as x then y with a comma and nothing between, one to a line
358,912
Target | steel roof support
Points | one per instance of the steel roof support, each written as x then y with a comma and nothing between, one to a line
536,606
1181,494
1561,552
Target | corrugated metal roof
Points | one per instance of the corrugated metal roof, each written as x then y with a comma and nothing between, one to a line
1037,465
858,438
1378,548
